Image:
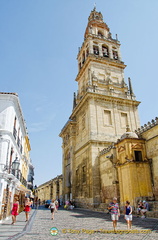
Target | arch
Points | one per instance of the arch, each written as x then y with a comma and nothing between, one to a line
105,51
100,33
115,53
95,50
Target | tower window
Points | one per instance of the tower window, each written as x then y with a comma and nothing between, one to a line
105,51
107,117
100,34
115,55
87,52
124,120
138,156
96,50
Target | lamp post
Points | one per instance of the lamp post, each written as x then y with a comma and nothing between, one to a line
15,167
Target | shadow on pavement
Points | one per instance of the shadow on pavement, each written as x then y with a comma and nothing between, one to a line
146,223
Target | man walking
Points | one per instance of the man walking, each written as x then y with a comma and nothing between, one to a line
115,212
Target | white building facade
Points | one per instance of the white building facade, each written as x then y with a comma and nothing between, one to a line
14,153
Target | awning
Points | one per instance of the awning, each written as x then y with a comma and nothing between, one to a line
23,188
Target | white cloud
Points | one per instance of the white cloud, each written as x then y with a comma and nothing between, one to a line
42,125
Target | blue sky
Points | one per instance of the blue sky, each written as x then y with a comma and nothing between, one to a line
39,42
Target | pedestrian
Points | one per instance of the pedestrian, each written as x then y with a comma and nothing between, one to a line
35,202
56,205
73,203
67,203
144,209
15,210
27,208
39,202
31,201
59,202
128,215
139,208
115,212
52,208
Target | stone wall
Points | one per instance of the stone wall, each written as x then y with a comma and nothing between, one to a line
150,133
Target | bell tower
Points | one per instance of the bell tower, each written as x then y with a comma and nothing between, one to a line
100,67
102,109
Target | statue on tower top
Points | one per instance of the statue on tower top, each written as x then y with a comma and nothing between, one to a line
95,15
94,7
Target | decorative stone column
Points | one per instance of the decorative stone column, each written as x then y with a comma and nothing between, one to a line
91,47
110,52
100,50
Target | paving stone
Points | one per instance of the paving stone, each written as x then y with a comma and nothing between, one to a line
80,224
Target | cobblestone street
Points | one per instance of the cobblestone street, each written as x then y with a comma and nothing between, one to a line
81,224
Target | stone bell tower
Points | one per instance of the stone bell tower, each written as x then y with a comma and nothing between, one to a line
102,109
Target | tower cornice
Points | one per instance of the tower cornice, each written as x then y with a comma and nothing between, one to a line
105,98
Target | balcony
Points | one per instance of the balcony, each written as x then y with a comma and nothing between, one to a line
16,173
23,181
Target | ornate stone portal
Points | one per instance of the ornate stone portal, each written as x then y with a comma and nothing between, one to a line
103,107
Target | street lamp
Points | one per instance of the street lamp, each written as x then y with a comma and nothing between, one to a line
15,164
15,167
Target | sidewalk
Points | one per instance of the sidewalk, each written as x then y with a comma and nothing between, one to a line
12,232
